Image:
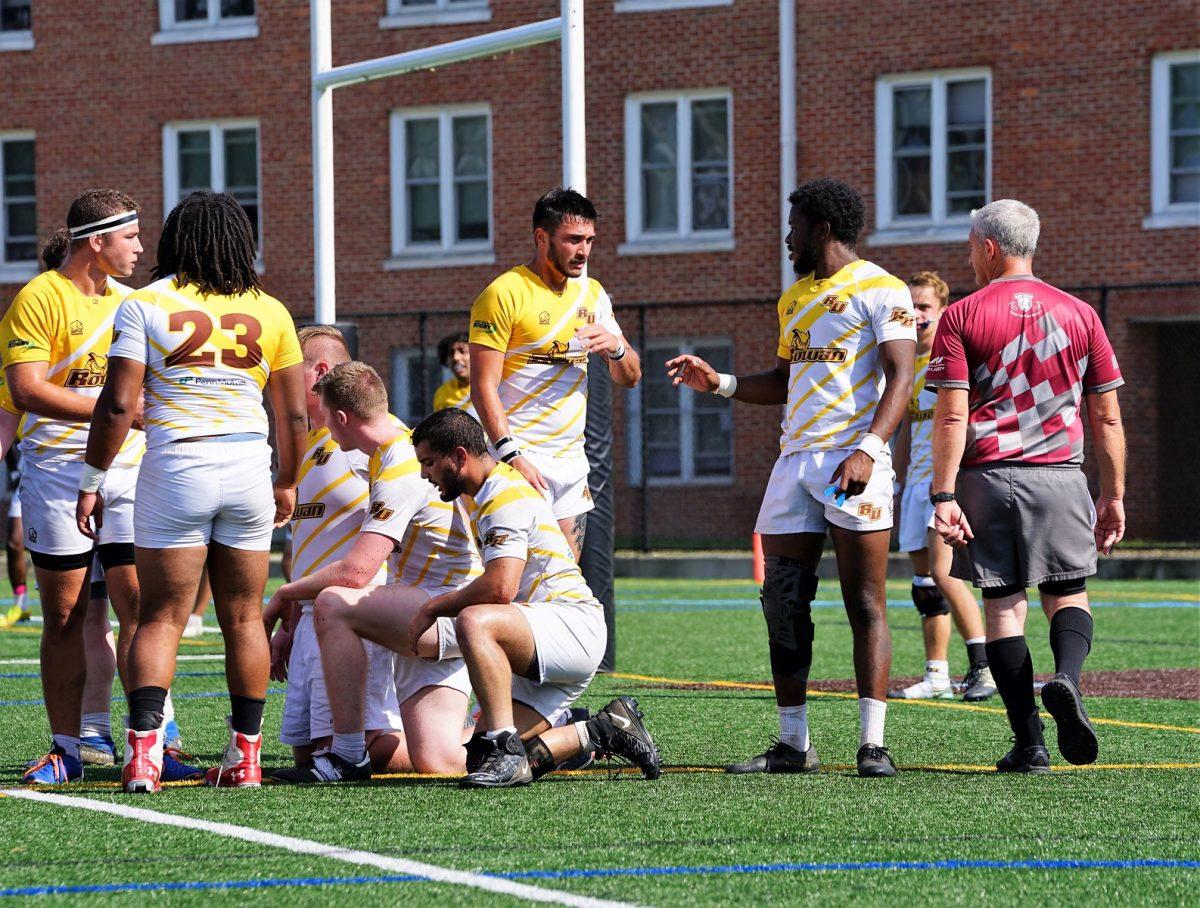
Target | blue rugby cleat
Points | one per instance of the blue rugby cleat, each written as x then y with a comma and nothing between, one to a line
56,768
174,767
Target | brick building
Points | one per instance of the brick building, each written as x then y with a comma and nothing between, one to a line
1088,111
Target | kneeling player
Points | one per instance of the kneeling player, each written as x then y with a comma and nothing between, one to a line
530,631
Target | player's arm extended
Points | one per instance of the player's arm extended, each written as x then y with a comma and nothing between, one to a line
902,449
487,366
497,585
1108,438
33,393
286,389
357,569
765,388
114,410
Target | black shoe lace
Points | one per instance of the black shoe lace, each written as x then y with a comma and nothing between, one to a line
972,678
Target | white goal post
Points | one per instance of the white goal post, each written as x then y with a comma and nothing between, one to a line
567,28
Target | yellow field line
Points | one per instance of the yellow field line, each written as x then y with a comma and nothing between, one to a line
935,704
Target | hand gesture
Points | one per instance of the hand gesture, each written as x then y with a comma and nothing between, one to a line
1110,524
422,621
597,339
523,466
285,504
951,523
692,371
281,651
89,507
852,475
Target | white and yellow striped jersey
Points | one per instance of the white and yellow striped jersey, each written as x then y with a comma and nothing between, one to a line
920,419
830,330
53,322
511,520
207,357
331,501
544,383
434,548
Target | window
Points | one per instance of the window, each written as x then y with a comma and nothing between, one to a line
441,188
689,436
413,384
16,25
222,157
1175,140
654,6
183,21
18,207
409,13
678,173
932,154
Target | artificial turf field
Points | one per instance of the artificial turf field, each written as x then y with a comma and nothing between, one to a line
946,830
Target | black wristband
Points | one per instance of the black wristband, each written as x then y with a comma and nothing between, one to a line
510,456
938,497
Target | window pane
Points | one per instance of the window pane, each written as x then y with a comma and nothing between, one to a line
911,119
1185,115
237,7
965,180
1185,81
15,16
1185,188
18,169
660,194
710,132
663,462
405,4
191,10
424,214
713,434
912,186
966,103
241,159
470,146
658,134
1185,152
471,202
710,165
22,219
195,161
421,146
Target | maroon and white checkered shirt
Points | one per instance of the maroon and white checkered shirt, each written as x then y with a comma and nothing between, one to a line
1027,353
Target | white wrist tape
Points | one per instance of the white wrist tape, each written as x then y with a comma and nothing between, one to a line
872,446
726,384
507,449
618,354
92,479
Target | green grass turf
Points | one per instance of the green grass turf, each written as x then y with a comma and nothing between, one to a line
699,631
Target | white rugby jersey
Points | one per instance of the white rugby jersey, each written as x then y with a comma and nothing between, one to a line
544,383
434,548
831,330
331,499
207,357
920,419
511,520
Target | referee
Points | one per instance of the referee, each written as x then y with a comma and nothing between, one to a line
1012,363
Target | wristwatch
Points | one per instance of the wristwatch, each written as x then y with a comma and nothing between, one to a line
939,497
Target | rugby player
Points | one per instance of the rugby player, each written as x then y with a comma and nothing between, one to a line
332,500
844,370
454,353
935,593
1012,363
531,332
426,545
530,631
204,340
54,340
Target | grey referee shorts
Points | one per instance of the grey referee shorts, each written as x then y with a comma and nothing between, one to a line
1032,524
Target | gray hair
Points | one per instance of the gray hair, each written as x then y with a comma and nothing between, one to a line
1011,225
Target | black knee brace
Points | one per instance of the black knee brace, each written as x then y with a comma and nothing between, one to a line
929,601
1063,587
787,595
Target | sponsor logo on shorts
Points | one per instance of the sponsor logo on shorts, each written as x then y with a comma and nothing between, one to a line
17,342
544,318
32,534
801,352
380,511
494,538
870,511
1023,305
91,374
482,325
587,494
321,456
835,304
904,316
307,511
77,328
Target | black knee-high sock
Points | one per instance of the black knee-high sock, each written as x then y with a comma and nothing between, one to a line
977,654
247,713
1012,667
146,705
1071,641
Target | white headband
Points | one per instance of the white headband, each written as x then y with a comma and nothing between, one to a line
104,225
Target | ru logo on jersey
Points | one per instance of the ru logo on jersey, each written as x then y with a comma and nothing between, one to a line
380,511
321,457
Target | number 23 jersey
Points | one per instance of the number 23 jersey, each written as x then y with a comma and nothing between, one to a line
207,357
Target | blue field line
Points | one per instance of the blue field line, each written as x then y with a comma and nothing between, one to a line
650,604
176,675
204,695
609,872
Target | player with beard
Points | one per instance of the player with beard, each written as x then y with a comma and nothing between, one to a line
844,370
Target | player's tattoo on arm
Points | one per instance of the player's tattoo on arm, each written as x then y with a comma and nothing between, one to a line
577,532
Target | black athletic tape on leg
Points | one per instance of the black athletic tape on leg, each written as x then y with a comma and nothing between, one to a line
48,562
787,595
246,714
115,554
929,601
541,761
1063,587
146,705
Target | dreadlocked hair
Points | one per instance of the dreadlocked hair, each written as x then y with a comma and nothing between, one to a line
207,241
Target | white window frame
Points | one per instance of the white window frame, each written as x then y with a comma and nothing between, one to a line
216,128
442,12
658,6
399,390
938,226
215,28
1163,214
17,39
449,253
23,270
687,402
685,240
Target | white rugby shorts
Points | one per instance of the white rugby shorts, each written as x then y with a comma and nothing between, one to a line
306,712
567,477
194,492
916,516
447,670
795,499
14,504
570,638
49,491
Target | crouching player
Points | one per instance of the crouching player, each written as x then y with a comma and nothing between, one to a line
426,544
331,504
530,631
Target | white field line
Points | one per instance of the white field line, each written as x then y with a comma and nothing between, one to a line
199,657
317,849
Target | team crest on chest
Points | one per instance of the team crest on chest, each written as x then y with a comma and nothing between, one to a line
801,352
77,328
1023,305
544,318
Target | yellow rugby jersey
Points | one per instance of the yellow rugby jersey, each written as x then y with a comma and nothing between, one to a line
920,418
6,401
544,383
51,321
511,520
207,357
331,500
453,393
830,331
434,549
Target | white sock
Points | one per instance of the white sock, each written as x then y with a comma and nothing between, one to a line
585,737
937,672
96,725
975,640
497,732
793,726
871,715
68,744
351,747
923,580
168,709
